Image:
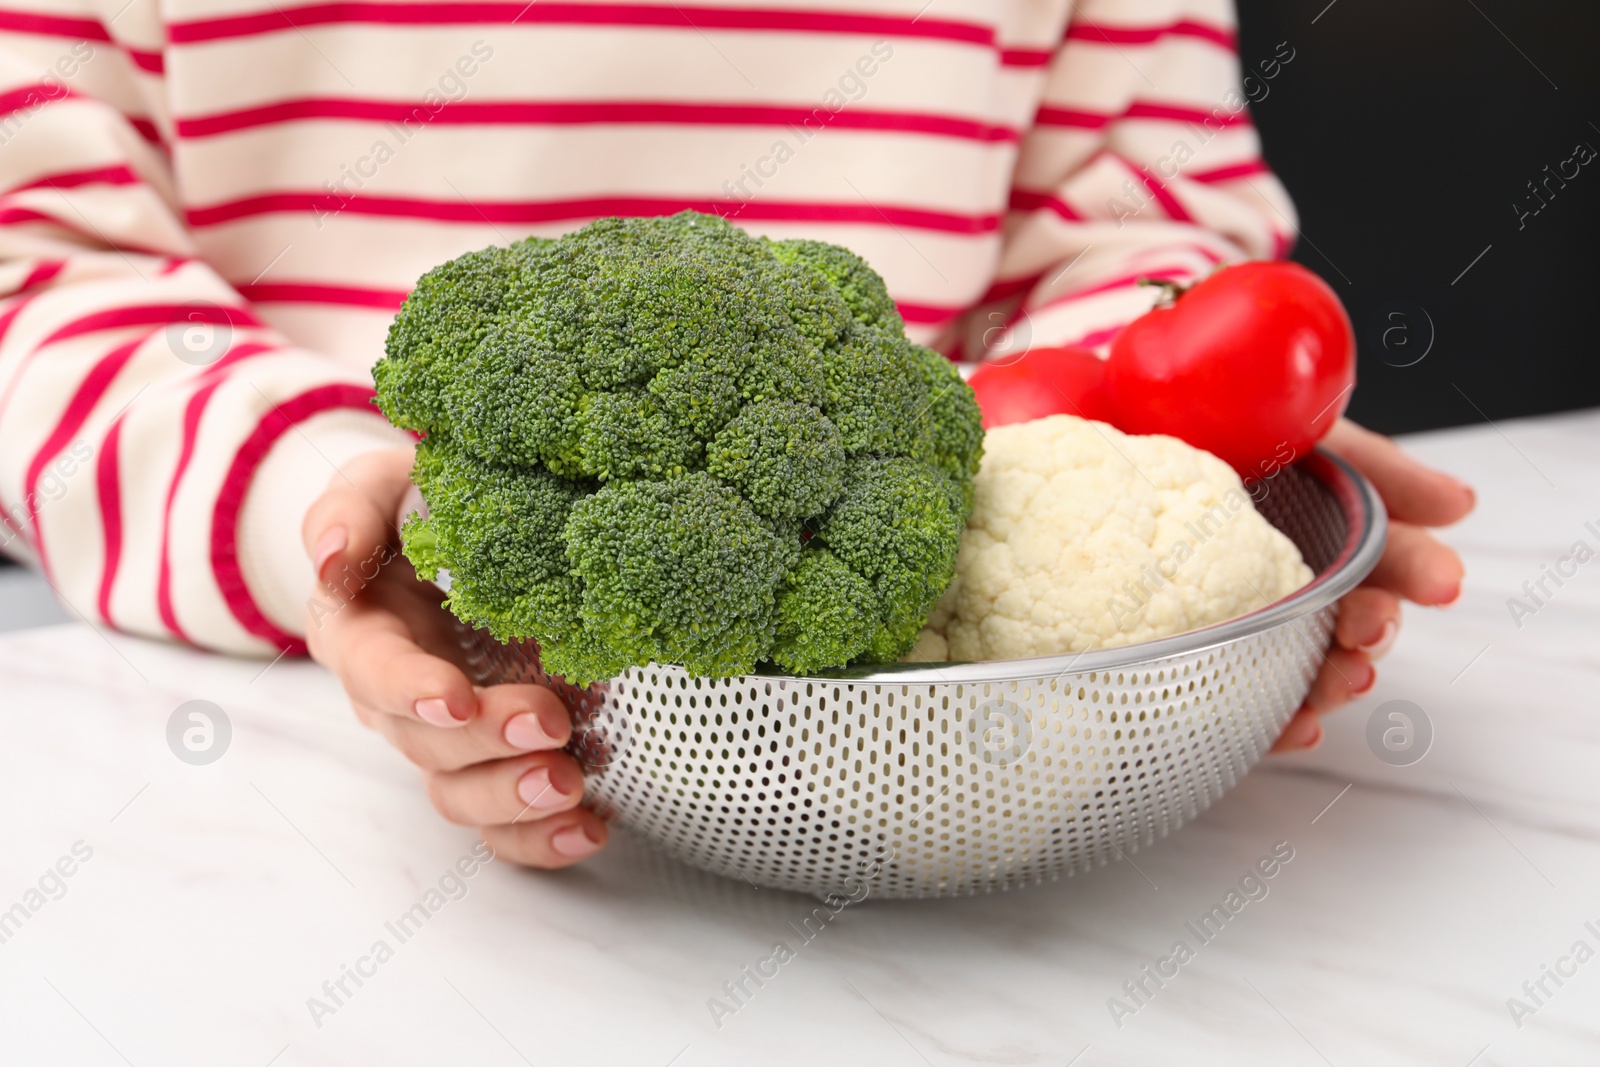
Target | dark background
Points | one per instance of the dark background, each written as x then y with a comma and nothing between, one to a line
1405,131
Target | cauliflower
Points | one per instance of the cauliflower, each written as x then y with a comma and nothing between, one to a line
1083,537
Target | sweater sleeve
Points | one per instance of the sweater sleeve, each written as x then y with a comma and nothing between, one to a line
1141,162
159,443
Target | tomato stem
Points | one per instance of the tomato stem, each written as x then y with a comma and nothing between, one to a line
1170,291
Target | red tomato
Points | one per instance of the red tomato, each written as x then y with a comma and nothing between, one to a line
1254,363
1043,381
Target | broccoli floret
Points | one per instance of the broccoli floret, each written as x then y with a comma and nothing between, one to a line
452,307
665,440
953,423
825,614
498,529
876,395
784,456
681,571
848,275
897,524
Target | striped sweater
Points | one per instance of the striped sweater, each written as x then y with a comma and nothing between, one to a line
211,209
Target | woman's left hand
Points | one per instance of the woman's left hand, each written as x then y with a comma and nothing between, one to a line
1415,567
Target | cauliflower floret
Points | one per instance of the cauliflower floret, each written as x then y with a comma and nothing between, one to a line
1083,537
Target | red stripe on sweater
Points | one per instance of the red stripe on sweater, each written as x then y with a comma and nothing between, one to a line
1153,186
108,482
17,216
391,299
152,62
43,273
1169,203
53,26
151,315
1067,116
89,393
1008,288
72,179
6,319
1025,57
77,30
191,426
314,293
580,112
537,211
1150,109
146,129
33,96
1210,255
1218,117
193,412
927,314
1101,33
666,16
1229,173
210,379
1033,200
225,518
11,216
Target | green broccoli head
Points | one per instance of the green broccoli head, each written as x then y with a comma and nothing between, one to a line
847,275
663,440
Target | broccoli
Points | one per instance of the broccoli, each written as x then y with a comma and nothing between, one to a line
665,440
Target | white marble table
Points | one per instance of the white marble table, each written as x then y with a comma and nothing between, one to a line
217,899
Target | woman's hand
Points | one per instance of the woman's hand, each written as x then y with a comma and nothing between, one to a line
1415,567
489,756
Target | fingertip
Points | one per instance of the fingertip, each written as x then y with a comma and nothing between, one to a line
433,691
1445,584
1451,502
580,840
558,841
1302,733
1368,616
1369,677
333,541
436,711
1385,641
528,731
1346,674
528,718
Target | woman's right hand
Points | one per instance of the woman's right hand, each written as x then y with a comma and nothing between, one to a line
490,756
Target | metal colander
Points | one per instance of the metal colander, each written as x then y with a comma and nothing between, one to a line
936,780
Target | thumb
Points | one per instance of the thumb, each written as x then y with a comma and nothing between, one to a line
358,514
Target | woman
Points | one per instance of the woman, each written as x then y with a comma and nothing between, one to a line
212,210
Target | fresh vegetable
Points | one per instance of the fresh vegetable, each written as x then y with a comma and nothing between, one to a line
1083,537
664,440
1043,381
1255,362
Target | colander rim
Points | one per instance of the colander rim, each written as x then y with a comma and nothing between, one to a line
1366,531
